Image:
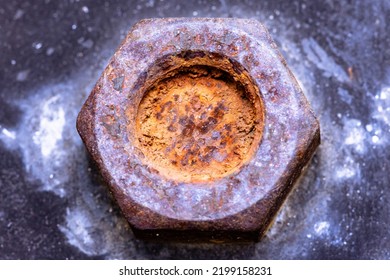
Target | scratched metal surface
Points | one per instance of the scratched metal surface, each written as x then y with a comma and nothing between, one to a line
53,204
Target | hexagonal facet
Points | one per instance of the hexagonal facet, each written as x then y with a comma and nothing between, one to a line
199,129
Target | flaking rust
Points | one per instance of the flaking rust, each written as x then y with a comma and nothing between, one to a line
199,129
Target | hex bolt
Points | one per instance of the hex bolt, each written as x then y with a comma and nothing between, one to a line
199,129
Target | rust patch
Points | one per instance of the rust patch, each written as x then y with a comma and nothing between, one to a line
197,125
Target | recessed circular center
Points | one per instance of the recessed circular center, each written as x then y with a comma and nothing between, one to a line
197,125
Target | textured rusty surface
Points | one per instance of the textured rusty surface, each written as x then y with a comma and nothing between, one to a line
237,204
198,125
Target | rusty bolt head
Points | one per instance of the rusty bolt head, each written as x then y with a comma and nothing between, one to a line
199,129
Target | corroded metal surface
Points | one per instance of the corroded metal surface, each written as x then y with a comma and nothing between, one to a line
238,205
198,125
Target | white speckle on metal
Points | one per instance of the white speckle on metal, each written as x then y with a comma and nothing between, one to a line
50,51
317,55
375,139
37,45
22,75
52,122
9,134
322,228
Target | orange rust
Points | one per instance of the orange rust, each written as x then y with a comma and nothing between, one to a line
197,125
350,73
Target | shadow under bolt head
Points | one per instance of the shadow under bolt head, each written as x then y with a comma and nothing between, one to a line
199,129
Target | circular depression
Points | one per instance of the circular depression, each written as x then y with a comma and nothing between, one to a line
198,123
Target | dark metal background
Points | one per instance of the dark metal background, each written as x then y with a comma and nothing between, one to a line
53,204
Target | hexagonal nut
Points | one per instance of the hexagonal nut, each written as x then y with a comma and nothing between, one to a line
199,129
